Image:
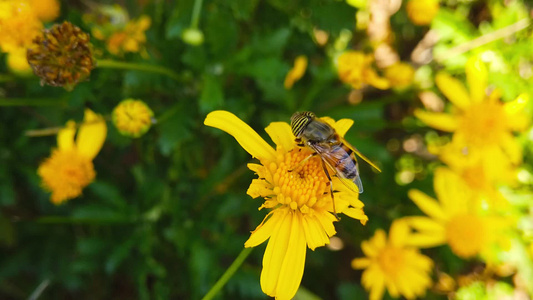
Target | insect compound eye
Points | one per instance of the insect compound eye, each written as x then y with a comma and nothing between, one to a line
299,121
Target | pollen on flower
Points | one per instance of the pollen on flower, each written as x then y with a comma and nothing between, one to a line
65,174
484,123
466,235
302,187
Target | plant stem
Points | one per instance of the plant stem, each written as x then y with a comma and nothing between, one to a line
228,274
6,77
196,13
484,39
112,64
32,101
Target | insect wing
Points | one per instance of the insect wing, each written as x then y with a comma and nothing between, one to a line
331,159
360,155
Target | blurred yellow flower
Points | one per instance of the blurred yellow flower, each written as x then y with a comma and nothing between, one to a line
301,214
130,39
297,72
422,12
477,120
355,68
45,10
70,169
18,64
400,74
18,25
393,264
132,117
455,219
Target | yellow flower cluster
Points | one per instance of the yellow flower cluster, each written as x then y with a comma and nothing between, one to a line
111,23
20,22
132,117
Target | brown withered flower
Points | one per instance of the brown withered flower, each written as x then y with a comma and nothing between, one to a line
62,56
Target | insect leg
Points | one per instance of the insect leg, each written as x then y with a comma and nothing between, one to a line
302,162
330,188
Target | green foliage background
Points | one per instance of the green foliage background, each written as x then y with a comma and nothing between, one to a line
168,212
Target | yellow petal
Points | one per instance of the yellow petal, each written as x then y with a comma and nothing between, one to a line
361,263
275,252
378,288
512,148
426,240
65,136
264,230
453,193
356,213
441,121
424,224
516,106
292,268
297,72
453,89
244,134
398,233
91,135
326,220
427,204
281,135
314,234
476,75
342,126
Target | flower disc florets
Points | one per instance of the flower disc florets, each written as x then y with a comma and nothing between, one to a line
62,56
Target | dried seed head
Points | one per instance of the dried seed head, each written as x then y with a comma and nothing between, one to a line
62,56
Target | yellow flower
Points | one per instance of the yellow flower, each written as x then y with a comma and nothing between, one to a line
299,200
393,264
69,169
477,120
355,68
422,12
400,74
131,39
132,117
297,72
46,10
455,219
481,170
17,62
18,25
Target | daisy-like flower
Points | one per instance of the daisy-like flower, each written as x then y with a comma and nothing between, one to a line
355,68
454,219
477,120
132,117
394,265
70,169
298,197
297,72
18,25
130,39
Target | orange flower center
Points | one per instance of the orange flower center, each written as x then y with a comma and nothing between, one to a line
299,185
65,174
483,123
466,235
392,260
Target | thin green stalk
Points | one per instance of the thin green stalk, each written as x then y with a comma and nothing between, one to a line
228,274
32,101
6,77
196,13
112,64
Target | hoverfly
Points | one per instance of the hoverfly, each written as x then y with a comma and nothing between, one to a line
334,151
